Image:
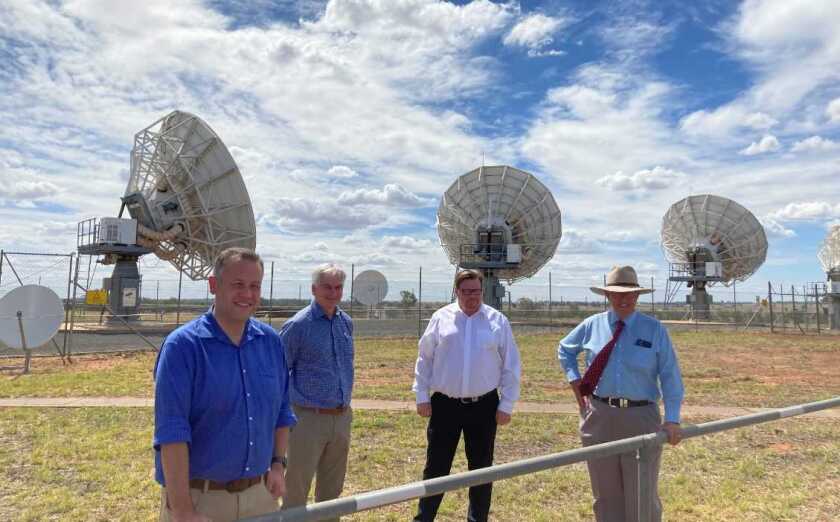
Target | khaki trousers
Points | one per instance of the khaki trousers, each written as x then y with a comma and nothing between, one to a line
222,506
318,447
614,479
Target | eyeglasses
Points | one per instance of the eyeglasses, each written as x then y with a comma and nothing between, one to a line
469,291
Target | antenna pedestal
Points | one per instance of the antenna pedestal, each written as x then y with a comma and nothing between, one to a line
124,293
833,299
700,302
491,290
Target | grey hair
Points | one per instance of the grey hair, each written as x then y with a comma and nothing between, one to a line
233,254
329,269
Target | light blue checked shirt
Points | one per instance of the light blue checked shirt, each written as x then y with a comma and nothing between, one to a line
642,356
319,353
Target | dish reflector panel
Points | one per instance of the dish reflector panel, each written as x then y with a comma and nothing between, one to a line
41,314
187,194
501,197
829,254
370,287
728,231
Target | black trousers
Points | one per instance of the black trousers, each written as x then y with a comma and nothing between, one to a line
478,422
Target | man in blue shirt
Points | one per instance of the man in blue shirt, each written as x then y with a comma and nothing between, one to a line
319,352
630,358
222,413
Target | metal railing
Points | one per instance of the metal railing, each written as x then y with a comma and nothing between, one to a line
643,445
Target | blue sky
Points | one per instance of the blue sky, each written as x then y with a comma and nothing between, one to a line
349,119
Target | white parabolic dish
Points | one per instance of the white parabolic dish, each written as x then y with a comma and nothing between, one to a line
370,287
41,314
729,231
829,254
195,200
506,196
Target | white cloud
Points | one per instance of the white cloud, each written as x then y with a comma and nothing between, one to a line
722,121
808,210
774,228
406,242
342,171
768,143
815,143
321,246
833,110
375,259
305,215
577,242
657,178
534,32
391,195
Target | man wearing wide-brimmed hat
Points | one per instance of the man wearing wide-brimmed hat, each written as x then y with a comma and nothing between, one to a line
630,365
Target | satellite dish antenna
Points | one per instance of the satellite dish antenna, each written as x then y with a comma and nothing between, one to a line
502,221
370,287
187,201
30,316
829,256
709,240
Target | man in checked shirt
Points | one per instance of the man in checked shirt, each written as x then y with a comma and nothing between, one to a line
466,379
319,353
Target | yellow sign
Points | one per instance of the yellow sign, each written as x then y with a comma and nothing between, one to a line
96,297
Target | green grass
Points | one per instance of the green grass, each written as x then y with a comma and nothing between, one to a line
719,368
96,464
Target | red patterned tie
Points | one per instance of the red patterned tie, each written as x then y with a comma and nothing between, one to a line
593,373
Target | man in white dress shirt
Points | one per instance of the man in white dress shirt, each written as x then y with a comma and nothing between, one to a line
466,379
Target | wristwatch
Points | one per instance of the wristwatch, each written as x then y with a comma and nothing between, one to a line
281,459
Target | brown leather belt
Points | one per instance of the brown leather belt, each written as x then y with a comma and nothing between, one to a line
325,411
234,486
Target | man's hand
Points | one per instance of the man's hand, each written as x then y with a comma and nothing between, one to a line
502,418
424,409
583,405
674,432
275,483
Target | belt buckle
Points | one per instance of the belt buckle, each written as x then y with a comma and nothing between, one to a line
623,403
468,400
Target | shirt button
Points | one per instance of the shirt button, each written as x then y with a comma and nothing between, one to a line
247,469
252,443
248,394
250,418
243,371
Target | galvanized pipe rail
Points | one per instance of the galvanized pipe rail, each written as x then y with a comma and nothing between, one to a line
642,445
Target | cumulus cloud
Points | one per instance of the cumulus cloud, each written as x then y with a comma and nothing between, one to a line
817,143
534,32
391,195
320,246
406,242
807,210
577,242
306,215
768,143
719,122
774,228
376,259
657,178
342,171
833,110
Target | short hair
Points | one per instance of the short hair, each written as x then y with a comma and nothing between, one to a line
232,255
330,269
464,275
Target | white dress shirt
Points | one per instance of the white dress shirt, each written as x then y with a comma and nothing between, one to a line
463,356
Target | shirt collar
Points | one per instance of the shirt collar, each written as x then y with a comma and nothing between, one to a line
613,318
318,312
482,311
208,328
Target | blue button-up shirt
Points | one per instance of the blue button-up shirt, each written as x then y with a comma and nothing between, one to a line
224,401
642,356
319,353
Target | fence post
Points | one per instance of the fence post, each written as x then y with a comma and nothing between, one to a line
420,304
271,294
652,300
644,478
178,307
352,285
549,297
817,302
770,303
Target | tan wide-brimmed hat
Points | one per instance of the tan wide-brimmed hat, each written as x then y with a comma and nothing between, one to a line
621,279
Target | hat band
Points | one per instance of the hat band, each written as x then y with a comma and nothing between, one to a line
628,285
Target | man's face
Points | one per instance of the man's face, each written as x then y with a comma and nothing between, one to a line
237,290
469,296
623,303
328,292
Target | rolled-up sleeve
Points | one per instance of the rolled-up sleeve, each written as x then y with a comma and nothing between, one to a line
511,371
425,361
173,394
569,349
286,416
670,378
